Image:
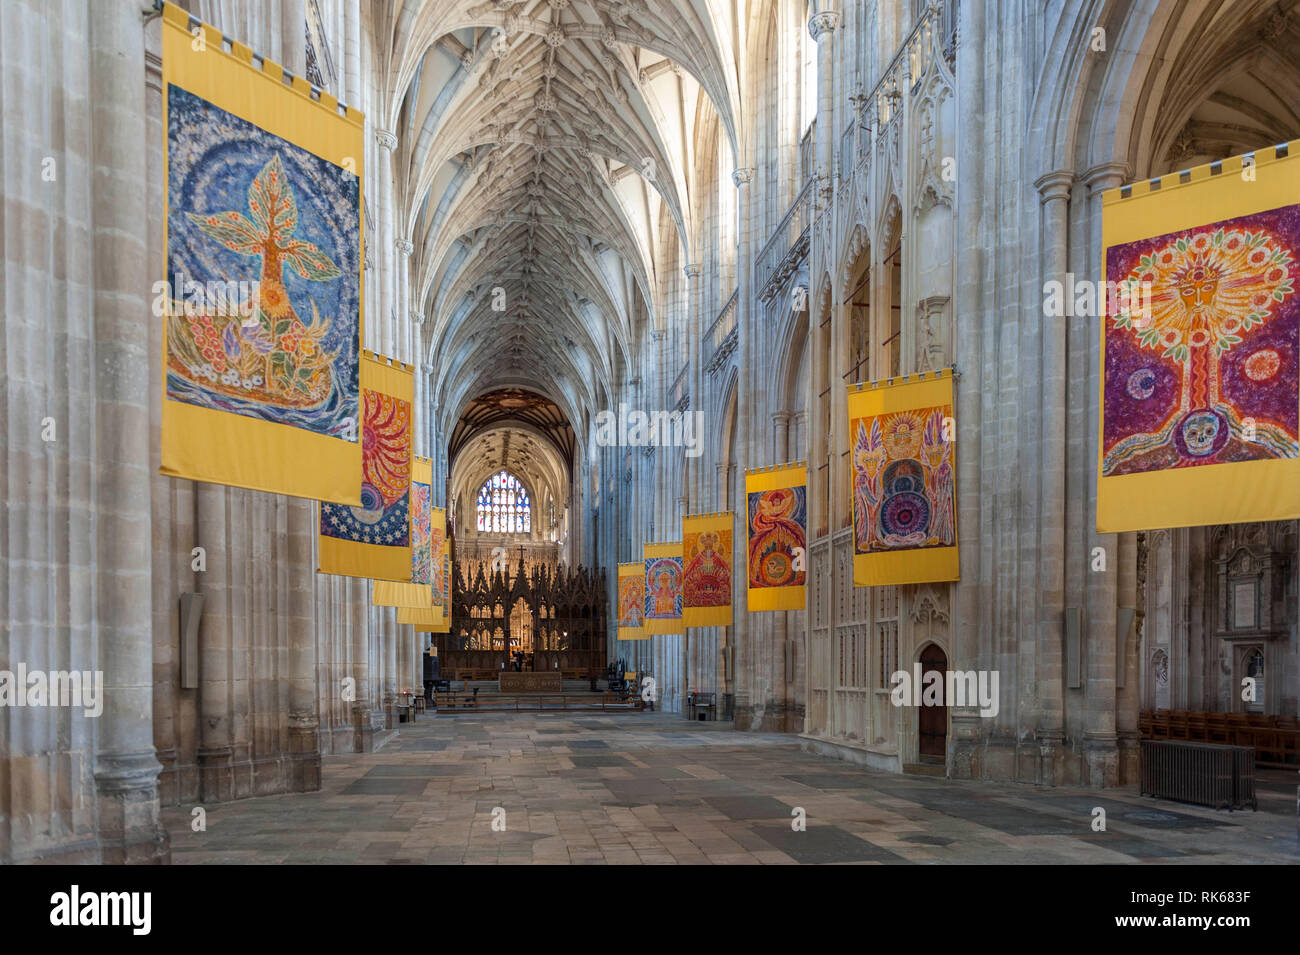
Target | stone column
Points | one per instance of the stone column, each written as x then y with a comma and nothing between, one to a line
383,208
1054,191
694,486
1101,739
743,179
968,301
126,769
822,27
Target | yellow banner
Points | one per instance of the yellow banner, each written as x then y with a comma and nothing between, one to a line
631,602
708,556
662,564
903,471
776,514
425,619
261,301
426,540
1200,398
374,540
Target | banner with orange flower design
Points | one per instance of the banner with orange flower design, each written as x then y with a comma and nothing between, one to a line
707,561
1200,395
902,435
776,514
374,539
260,300
631,602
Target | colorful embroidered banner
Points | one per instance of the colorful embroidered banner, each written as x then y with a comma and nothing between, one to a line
663,587
776,509
631,602
904,476
262,300
1200,404
435,619
707,559
447,582
426,535
374,540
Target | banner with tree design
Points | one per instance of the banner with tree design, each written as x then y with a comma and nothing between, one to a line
1200,398
261,302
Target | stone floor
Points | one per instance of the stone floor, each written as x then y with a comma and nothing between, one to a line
653,788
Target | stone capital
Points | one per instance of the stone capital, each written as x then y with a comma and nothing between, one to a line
692,271
823,23
1054,185
385,139
781,418
403,246
743,176
417,318
1106,175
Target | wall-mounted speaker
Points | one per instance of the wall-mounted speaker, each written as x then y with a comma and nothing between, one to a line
1073,647
191,611
729,663
789,661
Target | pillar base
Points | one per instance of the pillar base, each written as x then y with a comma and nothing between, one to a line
1129,748
966,756
1049,759
216,774
303,771
1100,760
130,827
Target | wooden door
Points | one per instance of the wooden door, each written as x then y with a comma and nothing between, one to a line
933,720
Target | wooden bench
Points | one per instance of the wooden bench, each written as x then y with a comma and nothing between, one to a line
1275,739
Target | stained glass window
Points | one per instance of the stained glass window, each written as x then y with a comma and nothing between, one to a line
503,506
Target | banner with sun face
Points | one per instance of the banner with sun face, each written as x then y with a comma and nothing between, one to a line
902,439
631,602
260,304
662,565
1200,403
707,559
776,509
374,539
426,535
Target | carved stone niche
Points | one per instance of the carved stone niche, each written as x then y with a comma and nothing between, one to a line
1252,599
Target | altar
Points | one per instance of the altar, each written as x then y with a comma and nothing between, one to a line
546,681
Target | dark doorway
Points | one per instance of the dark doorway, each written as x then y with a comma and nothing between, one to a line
933,720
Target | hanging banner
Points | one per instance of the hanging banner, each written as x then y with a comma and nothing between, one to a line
435,619
374,540
903,476
425,619
446,582
262,300
707,559
631,602
776,508
426,541
1200,397
663,587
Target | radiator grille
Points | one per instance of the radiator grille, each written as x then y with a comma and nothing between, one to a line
1204,774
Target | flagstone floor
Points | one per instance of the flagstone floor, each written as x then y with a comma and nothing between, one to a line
654,788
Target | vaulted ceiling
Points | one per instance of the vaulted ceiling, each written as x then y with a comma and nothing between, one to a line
544,161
